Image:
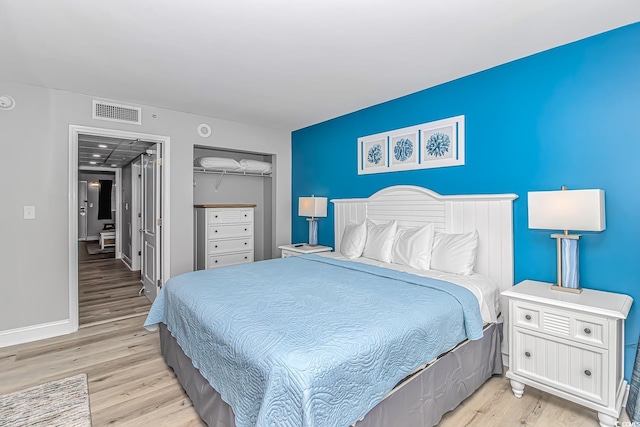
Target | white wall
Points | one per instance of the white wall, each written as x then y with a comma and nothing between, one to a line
35,137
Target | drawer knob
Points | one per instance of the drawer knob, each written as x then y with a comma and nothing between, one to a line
216,261
587,331
215,246
587,372
527,354
528,317
246,257
215,231
245,243
245,215
216,216
245,229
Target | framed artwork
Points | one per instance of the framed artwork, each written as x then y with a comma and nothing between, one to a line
429,145
373,155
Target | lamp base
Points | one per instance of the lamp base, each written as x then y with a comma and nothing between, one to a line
565,289
313,231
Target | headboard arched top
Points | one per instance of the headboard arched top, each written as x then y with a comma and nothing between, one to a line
412,206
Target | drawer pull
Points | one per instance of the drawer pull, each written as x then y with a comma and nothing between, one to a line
528,317
245,243
527,354
245,215
216,261
216,216
246,257
215,231
587,331
587,372
245,229
215,246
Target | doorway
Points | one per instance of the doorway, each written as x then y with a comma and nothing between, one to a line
133,224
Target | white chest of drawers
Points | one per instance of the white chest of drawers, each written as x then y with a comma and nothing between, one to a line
223,235
569,345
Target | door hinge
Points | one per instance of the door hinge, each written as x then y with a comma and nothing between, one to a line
160,283
159,161
139,215
159,222
139,253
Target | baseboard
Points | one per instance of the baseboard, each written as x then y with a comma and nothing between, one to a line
125,259
93,238
505,359
34,333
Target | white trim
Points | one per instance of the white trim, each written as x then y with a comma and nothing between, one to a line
35,332
74,132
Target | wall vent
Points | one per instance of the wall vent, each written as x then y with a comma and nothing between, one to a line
117,112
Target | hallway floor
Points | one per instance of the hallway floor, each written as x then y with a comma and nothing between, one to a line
107,289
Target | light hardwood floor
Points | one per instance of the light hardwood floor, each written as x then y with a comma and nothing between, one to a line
108,290
130,385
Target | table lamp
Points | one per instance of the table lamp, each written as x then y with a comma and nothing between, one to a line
580,210
312,207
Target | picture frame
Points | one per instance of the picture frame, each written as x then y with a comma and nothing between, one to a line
429,145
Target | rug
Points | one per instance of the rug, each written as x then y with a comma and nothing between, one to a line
58,403
94,248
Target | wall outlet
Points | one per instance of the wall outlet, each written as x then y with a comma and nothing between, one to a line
29,212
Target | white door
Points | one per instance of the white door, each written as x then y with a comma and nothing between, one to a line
151,222
82,210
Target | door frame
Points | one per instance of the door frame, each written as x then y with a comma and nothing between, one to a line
74,132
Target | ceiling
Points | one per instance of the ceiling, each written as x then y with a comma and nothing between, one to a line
99,151
280,63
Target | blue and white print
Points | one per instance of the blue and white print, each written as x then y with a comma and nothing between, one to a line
375,154
438,144
403,149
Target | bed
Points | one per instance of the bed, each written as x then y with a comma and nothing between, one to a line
344,342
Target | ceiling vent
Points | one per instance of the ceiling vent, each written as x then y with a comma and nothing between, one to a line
117,112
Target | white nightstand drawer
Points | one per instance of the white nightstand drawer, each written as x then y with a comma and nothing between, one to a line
224,231
230,216
561,364
214,261
233,245
561,323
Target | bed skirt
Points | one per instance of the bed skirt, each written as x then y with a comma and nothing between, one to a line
420,400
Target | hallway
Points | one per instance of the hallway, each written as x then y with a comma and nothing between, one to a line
107,289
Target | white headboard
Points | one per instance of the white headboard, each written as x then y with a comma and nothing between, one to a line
491,215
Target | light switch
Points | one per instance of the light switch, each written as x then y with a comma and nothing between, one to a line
29,212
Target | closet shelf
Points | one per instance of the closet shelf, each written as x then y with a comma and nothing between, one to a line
225,172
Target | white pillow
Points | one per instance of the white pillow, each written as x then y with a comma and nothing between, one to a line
413,246
380,240
353,239
454,253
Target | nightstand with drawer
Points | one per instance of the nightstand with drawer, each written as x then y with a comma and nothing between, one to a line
223,235
569,345
302,249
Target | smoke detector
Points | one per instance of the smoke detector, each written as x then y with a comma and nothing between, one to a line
7,102
204,130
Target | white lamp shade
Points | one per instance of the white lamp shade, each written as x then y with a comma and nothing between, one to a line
312,206
579,210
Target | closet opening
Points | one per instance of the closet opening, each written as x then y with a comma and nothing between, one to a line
233,191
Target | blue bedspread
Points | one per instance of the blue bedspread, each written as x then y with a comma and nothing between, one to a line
311,341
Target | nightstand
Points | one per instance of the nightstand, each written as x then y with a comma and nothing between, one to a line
569,345
302,249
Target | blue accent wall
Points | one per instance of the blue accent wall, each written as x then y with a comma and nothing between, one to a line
568,116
